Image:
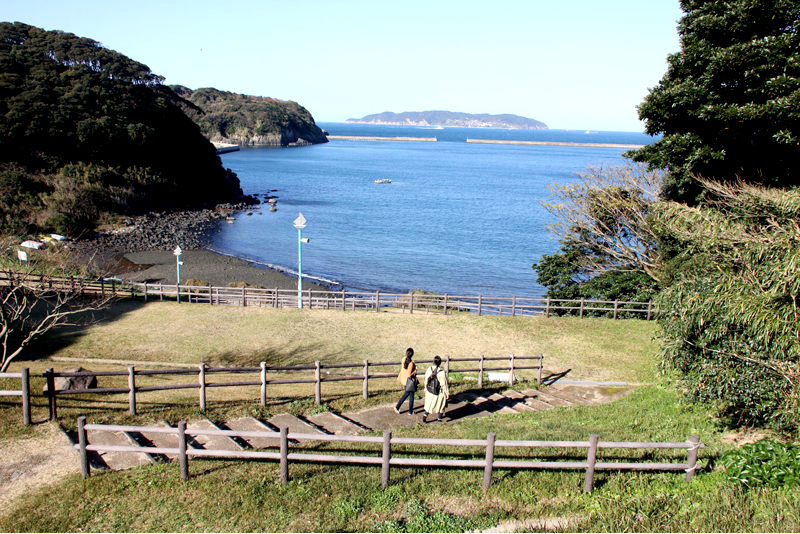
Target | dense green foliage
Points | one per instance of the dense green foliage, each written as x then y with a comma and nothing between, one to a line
563,277
730,320
729,105
244,119
85,130
609,248
764,463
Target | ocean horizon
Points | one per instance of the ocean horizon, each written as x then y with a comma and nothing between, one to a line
457,218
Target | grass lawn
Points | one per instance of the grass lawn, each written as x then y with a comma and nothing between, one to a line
226,495
246,497
595,349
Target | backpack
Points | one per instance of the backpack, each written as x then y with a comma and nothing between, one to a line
433,385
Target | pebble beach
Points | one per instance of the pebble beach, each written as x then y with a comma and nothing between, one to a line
142,251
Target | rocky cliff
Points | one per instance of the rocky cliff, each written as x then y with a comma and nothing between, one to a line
226,117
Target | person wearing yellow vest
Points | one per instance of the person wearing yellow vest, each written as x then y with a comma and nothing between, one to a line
408,378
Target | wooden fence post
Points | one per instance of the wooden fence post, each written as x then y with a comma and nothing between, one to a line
649,309
275,298
26,396
132,389
85,467
480,304
160,291
588,483
541,365
244,297
582,301
447,366
511,371
284,455
514,306
386,456
547,308
317,383
144,287
344,297
202,379
616,307
378,301
445,303
184,459
487,471
263,383
691,459
51,393
102,289
365,388
480,372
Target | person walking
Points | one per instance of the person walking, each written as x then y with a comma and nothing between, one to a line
408,378
437,391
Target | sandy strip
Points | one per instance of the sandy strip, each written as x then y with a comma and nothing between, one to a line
216,269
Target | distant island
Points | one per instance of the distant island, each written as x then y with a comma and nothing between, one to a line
451,118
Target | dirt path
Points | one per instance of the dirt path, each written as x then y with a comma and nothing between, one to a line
31,463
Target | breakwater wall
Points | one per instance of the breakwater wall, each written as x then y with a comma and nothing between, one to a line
549,143
225,148
362,138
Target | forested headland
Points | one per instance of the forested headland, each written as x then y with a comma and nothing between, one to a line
87,133
227,117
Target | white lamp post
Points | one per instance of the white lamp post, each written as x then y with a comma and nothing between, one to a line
300,223
177,253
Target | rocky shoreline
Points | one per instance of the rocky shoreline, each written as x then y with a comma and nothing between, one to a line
142,250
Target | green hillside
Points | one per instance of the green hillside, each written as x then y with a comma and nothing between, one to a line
86,131
250,120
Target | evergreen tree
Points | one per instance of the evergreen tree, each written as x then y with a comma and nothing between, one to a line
90,131
729,105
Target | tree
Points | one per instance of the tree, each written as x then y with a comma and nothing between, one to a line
34,300
96,132
729,105
609,247
730,318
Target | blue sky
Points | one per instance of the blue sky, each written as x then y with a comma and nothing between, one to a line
573,64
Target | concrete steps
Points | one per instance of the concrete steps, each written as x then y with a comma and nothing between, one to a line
462,406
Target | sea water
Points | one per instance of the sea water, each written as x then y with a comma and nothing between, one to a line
458,218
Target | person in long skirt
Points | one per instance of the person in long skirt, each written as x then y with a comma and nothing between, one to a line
435,403
408,369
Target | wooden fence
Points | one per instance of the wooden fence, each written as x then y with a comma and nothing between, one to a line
489,461
378,301
511,365
25,392
339,300
103,287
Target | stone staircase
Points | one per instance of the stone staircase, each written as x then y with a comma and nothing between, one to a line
461,406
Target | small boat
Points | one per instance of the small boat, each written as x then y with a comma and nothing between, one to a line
382,181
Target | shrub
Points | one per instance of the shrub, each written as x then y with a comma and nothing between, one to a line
764,463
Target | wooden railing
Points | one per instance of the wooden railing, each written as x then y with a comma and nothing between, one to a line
25,392
343,300
380,301
202,384
386,460
103,287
